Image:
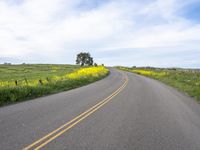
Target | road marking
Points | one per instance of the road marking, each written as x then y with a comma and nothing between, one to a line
62,129
48,135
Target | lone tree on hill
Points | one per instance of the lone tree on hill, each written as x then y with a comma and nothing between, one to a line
84,59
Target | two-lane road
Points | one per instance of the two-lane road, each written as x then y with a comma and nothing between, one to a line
124,111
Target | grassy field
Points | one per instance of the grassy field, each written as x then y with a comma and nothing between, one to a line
22,82
36,71
187,81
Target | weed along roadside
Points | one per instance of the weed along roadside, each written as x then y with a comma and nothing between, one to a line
187,81
15,91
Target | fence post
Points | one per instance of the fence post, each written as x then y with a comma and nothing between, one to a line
16,82
40,82
26,81
48,80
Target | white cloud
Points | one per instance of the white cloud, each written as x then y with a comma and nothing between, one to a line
54,30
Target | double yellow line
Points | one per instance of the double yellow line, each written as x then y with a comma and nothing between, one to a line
62,129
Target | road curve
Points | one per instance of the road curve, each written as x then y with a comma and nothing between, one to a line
132,112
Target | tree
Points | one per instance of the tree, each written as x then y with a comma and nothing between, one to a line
84,59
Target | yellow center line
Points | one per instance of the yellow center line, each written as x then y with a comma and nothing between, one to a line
63,131
76,120
45,137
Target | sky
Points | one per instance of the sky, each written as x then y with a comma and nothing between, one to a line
159,33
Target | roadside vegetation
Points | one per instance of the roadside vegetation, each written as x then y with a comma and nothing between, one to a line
185,80
22,82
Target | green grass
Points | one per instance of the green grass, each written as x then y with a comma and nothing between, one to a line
36,71
54,78
187,81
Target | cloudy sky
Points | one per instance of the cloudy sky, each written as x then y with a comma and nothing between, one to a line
164,33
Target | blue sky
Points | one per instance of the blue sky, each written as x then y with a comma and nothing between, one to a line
116,32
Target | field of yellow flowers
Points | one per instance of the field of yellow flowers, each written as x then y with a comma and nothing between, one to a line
187,81
16,90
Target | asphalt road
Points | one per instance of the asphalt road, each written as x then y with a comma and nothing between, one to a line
132,113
